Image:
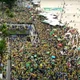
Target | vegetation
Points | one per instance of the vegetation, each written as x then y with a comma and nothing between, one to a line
2,46
9,13
2,51
3,29
10,3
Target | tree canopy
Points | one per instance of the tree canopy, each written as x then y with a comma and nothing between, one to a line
3,29
2,46
9,3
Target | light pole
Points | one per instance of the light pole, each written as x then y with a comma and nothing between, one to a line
8,75
62,10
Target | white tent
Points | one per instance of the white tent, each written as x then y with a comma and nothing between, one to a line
46,21
47,15
43,14
51,19
54,22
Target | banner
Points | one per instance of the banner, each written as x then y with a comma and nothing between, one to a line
53,9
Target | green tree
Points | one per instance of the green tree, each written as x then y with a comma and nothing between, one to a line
2,51
2,47
4,30
10,3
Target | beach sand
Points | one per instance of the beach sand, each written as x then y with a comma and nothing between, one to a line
71,13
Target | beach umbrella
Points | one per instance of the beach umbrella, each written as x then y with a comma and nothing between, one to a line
78,48
35,55
59,39
32,57
52,63
47,52
51,33
27,64
53,57
43,14
41,65
54,29
31,69
60,44
78,63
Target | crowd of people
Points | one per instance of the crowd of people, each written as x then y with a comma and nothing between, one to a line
24,17
57,56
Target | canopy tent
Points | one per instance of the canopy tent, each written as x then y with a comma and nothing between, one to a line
61,24
48,15
51,19
53,22
43,14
